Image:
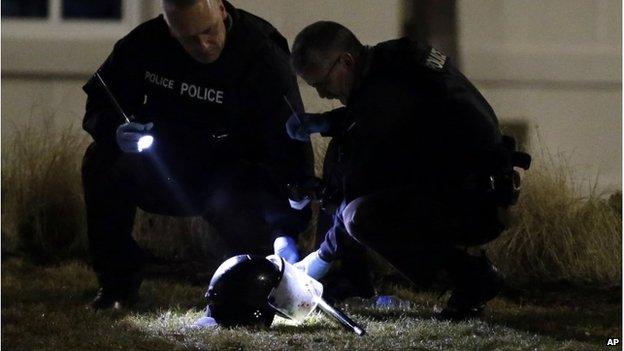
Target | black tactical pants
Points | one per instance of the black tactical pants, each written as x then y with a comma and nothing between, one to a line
237,198
353,276
422,234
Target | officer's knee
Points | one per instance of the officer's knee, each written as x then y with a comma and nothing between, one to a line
89,157
91,166
96,158
358,217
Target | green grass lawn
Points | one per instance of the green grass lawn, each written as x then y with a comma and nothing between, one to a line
43,308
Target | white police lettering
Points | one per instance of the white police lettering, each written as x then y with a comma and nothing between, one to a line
158,80
435,60
186,89
201,93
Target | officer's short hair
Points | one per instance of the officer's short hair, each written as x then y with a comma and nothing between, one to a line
182,3
315,41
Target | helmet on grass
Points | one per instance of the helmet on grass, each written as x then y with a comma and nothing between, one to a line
239,291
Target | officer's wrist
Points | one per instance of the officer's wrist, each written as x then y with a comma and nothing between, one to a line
323,257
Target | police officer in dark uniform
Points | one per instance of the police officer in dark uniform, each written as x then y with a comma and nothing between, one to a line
425,172
211,84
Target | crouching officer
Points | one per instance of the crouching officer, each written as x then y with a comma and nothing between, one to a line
425,170
208,82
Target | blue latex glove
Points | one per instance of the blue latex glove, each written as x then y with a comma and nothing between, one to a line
314,266
300,125
299,205
206,321
286,248
302,193
128,135
390,301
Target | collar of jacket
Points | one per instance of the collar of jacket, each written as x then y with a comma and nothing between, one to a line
232,15
363,68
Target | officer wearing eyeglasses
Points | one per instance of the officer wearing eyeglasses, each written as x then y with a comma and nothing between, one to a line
421,166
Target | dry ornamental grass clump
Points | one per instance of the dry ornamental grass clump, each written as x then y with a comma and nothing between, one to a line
42,206
561,232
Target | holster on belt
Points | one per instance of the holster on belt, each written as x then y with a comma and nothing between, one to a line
503,182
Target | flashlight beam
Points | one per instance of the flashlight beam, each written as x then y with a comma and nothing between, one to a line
112,97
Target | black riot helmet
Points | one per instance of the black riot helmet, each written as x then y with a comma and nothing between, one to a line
239,290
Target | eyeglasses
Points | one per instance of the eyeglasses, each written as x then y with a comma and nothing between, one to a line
323,82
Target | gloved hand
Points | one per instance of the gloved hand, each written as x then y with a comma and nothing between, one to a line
300,125
128,135
300,194
299,205
390,301
314,266
205,321
286,248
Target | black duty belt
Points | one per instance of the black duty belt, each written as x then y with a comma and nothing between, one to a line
504,184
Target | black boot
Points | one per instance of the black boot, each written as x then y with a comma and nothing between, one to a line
107,298
476,282
117,292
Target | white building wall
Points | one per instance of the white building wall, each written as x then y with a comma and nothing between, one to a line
553,63
371,20
557,65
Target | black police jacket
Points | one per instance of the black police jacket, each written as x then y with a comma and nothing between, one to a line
414,120
204,114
